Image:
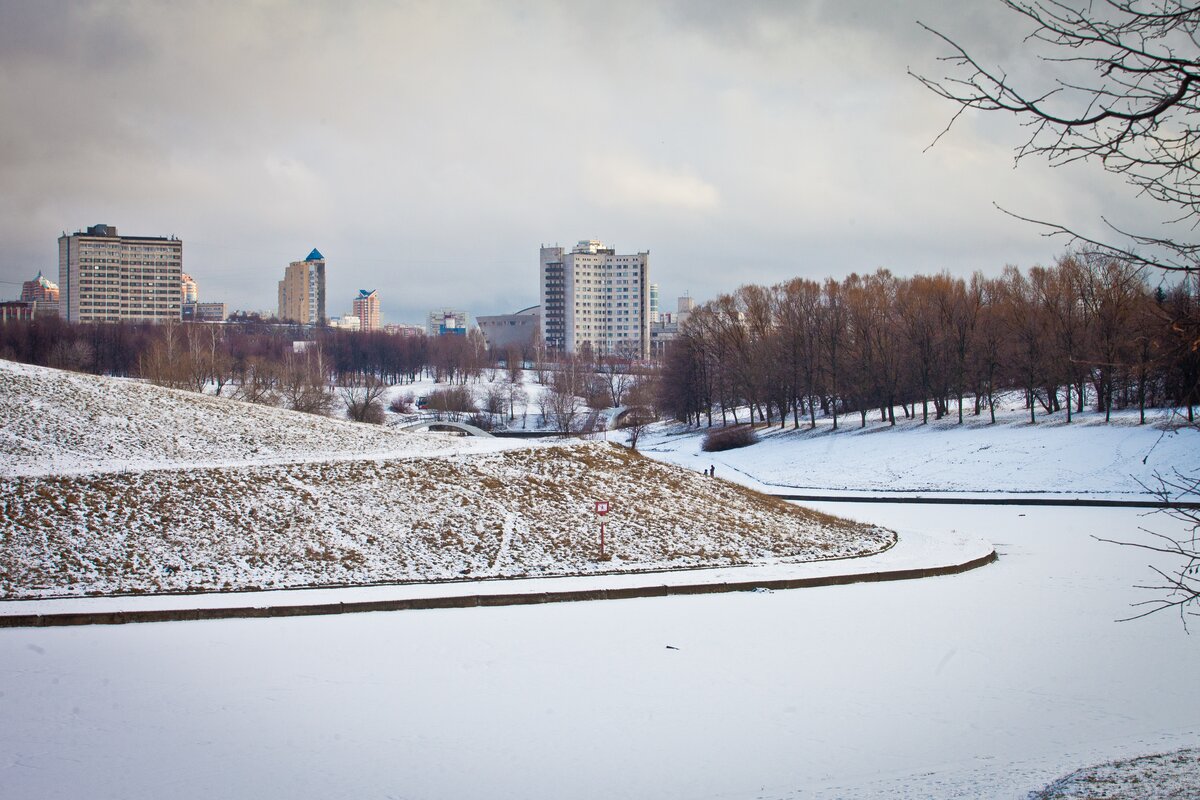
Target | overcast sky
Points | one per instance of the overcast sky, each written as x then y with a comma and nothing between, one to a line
429,148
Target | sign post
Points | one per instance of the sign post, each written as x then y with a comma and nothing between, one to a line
601,510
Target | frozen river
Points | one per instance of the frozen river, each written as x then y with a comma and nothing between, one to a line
986,684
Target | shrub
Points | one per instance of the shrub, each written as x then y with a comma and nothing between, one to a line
403,403
730,437
372,413
453,401
481,421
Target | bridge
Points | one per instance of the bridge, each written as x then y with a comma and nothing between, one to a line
445,426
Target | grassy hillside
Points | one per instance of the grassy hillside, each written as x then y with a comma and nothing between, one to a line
302,501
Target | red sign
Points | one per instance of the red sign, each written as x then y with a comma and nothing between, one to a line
601,507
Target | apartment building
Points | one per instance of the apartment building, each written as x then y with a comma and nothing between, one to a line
302,291
594,298
447,321
43,292
366,308
105,277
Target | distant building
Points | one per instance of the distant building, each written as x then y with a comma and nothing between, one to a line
366,308
17,310
594,298
653,303
103,277
204,312
506,330
43,292
189,291
302,291
684,307
404,329
666,328
348,322
448,322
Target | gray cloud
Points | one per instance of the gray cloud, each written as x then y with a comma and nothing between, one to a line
429,148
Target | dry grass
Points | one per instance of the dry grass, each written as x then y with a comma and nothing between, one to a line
514,513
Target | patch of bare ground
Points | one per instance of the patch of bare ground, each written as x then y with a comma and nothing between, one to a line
1167,776
525,512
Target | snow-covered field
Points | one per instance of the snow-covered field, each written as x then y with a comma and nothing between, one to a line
983,685
1086,458
989,684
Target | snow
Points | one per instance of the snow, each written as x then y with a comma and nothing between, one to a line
983,685
114,425
1163,776
988,684
915,550
1087,458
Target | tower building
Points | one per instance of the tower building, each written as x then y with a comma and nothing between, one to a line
44,292
302,291
366,308
592,297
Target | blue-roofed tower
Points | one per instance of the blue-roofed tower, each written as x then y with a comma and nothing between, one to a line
302,291
366,308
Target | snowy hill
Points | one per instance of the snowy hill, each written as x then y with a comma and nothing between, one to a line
1087,457
57,422
112,486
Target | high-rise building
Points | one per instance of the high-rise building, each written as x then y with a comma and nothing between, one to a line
366,308
190,292
448,321
594,298
302,291
42,291
653,303
103,277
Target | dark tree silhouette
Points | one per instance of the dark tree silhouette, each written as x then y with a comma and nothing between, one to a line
1123,92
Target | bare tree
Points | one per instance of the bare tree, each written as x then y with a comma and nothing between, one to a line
563,399
1125,94
452,402
616,371
1179,584
1121,89
362,395
258,383
303,384
640,414
495,397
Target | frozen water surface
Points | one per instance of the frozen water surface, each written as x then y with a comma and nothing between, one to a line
986,684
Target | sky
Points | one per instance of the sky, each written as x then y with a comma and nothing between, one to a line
428,149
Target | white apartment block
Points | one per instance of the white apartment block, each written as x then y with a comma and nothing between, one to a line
103,277
594,298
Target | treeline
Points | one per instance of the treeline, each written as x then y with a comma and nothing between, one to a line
189,355
1088,330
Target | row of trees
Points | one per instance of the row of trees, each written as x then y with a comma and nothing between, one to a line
1087,327
187,355
259,363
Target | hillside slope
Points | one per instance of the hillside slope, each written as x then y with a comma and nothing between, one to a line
112,487
1087,457
57,422
518,513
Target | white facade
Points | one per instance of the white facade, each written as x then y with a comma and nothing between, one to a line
104,277
447,320
594,298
